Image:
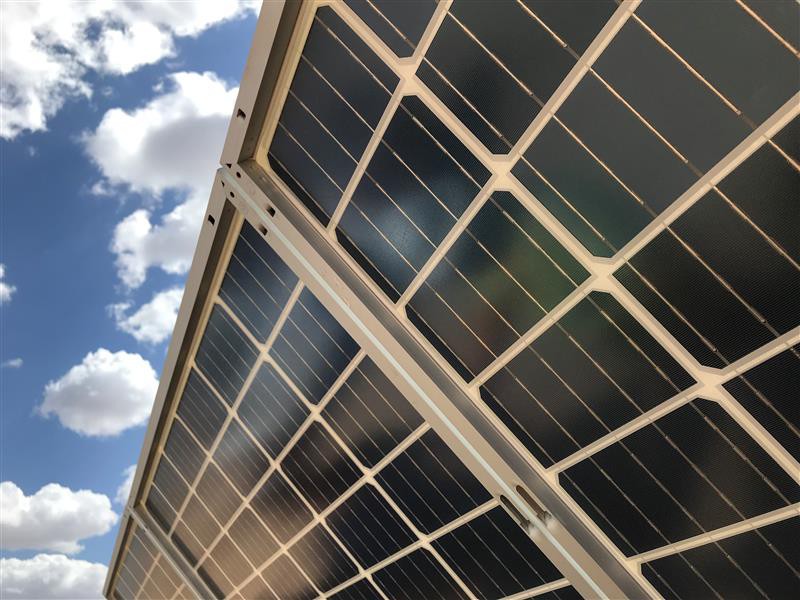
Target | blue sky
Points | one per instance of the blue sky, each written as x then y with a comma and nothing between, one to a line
66,188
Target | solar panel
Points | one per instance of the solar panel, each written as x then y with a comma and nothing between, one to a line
493,300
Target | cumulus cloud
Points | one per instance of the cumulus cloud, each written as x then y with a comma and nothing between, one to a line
105,394
50,47
164,144
11,363
141,242
153,322
124,489
171,143
54,518
51,576
6,289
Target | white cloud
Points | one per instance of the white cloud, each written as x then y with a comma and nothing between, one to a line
6,289
101,188
171,143
12,363
105,394
165,143
141,242
142,44
124,489
153,322
49,47
54,518
51,576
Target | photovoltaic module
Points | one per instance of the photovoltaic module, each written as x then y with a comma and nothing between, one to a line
493,300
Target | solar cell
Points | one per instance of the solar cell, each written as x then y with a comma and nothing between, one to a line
472,42
319,467
564,593
654,173
217,494
369,528
184,452
201,524
763,188
161,510
499,278
312,348
322,559
170,483
284,577
587,196
575,22
257,283
417,184
201,411
215,579
341,61
271,410
252,538
657,84
431,485
185,541
370,415
258,590
699,32
281,508
239,456
231,561
225,355
788,140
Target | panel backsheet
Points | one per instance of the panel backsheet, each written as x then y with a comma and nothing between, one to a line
563,202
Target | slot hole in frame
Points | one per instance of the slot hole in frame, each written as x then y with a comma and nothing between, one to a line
537,508
518,517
